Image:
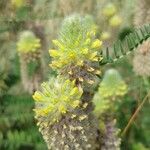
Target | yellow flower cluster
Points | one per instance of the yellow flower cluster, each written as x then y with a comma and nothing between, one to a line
18,3
115,21
57,97
109,10
112,19
111,87
76,44
28,42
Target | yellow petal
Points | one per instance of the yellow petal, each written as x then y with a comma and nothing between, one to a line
85,51
74,91
75,103
37,96
96,44
62,109
53,53
57,43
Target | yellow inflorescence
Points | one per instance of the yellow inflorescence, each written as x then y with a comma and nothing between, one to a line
18,3
105,35
28,42
77,55
115,21
109,10
111,87
56,98
75,45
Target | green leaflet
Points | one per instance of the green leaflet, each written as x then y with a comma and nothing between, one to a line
131,42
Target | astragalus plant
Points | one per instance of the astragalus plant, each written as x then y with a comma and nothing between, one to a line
29,51
64,106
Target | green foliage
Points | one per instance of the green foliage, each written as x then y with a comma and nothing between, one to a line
17,128
18,3
139,146
131,42
18,139
124,32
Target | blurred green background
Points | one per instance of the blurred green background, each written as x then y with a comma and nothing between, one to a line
18,129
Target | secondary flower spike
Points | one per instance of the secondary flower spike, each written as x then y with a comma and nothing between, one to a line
111,87
56,98
28,42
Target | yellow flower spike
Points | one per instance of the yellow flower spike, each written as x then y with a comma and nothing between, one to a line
115,21
109,92
59,96
28,42
18,3
53,53
96,44
105,35
76,43
109,10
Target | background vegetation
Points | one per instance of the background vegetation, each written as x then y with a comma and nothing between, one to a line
43,18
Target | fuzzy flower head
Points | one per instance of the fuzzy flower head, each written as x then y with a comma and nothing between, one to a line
111,87
56,98
18,3
28,42
76,43
109,10
115,21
